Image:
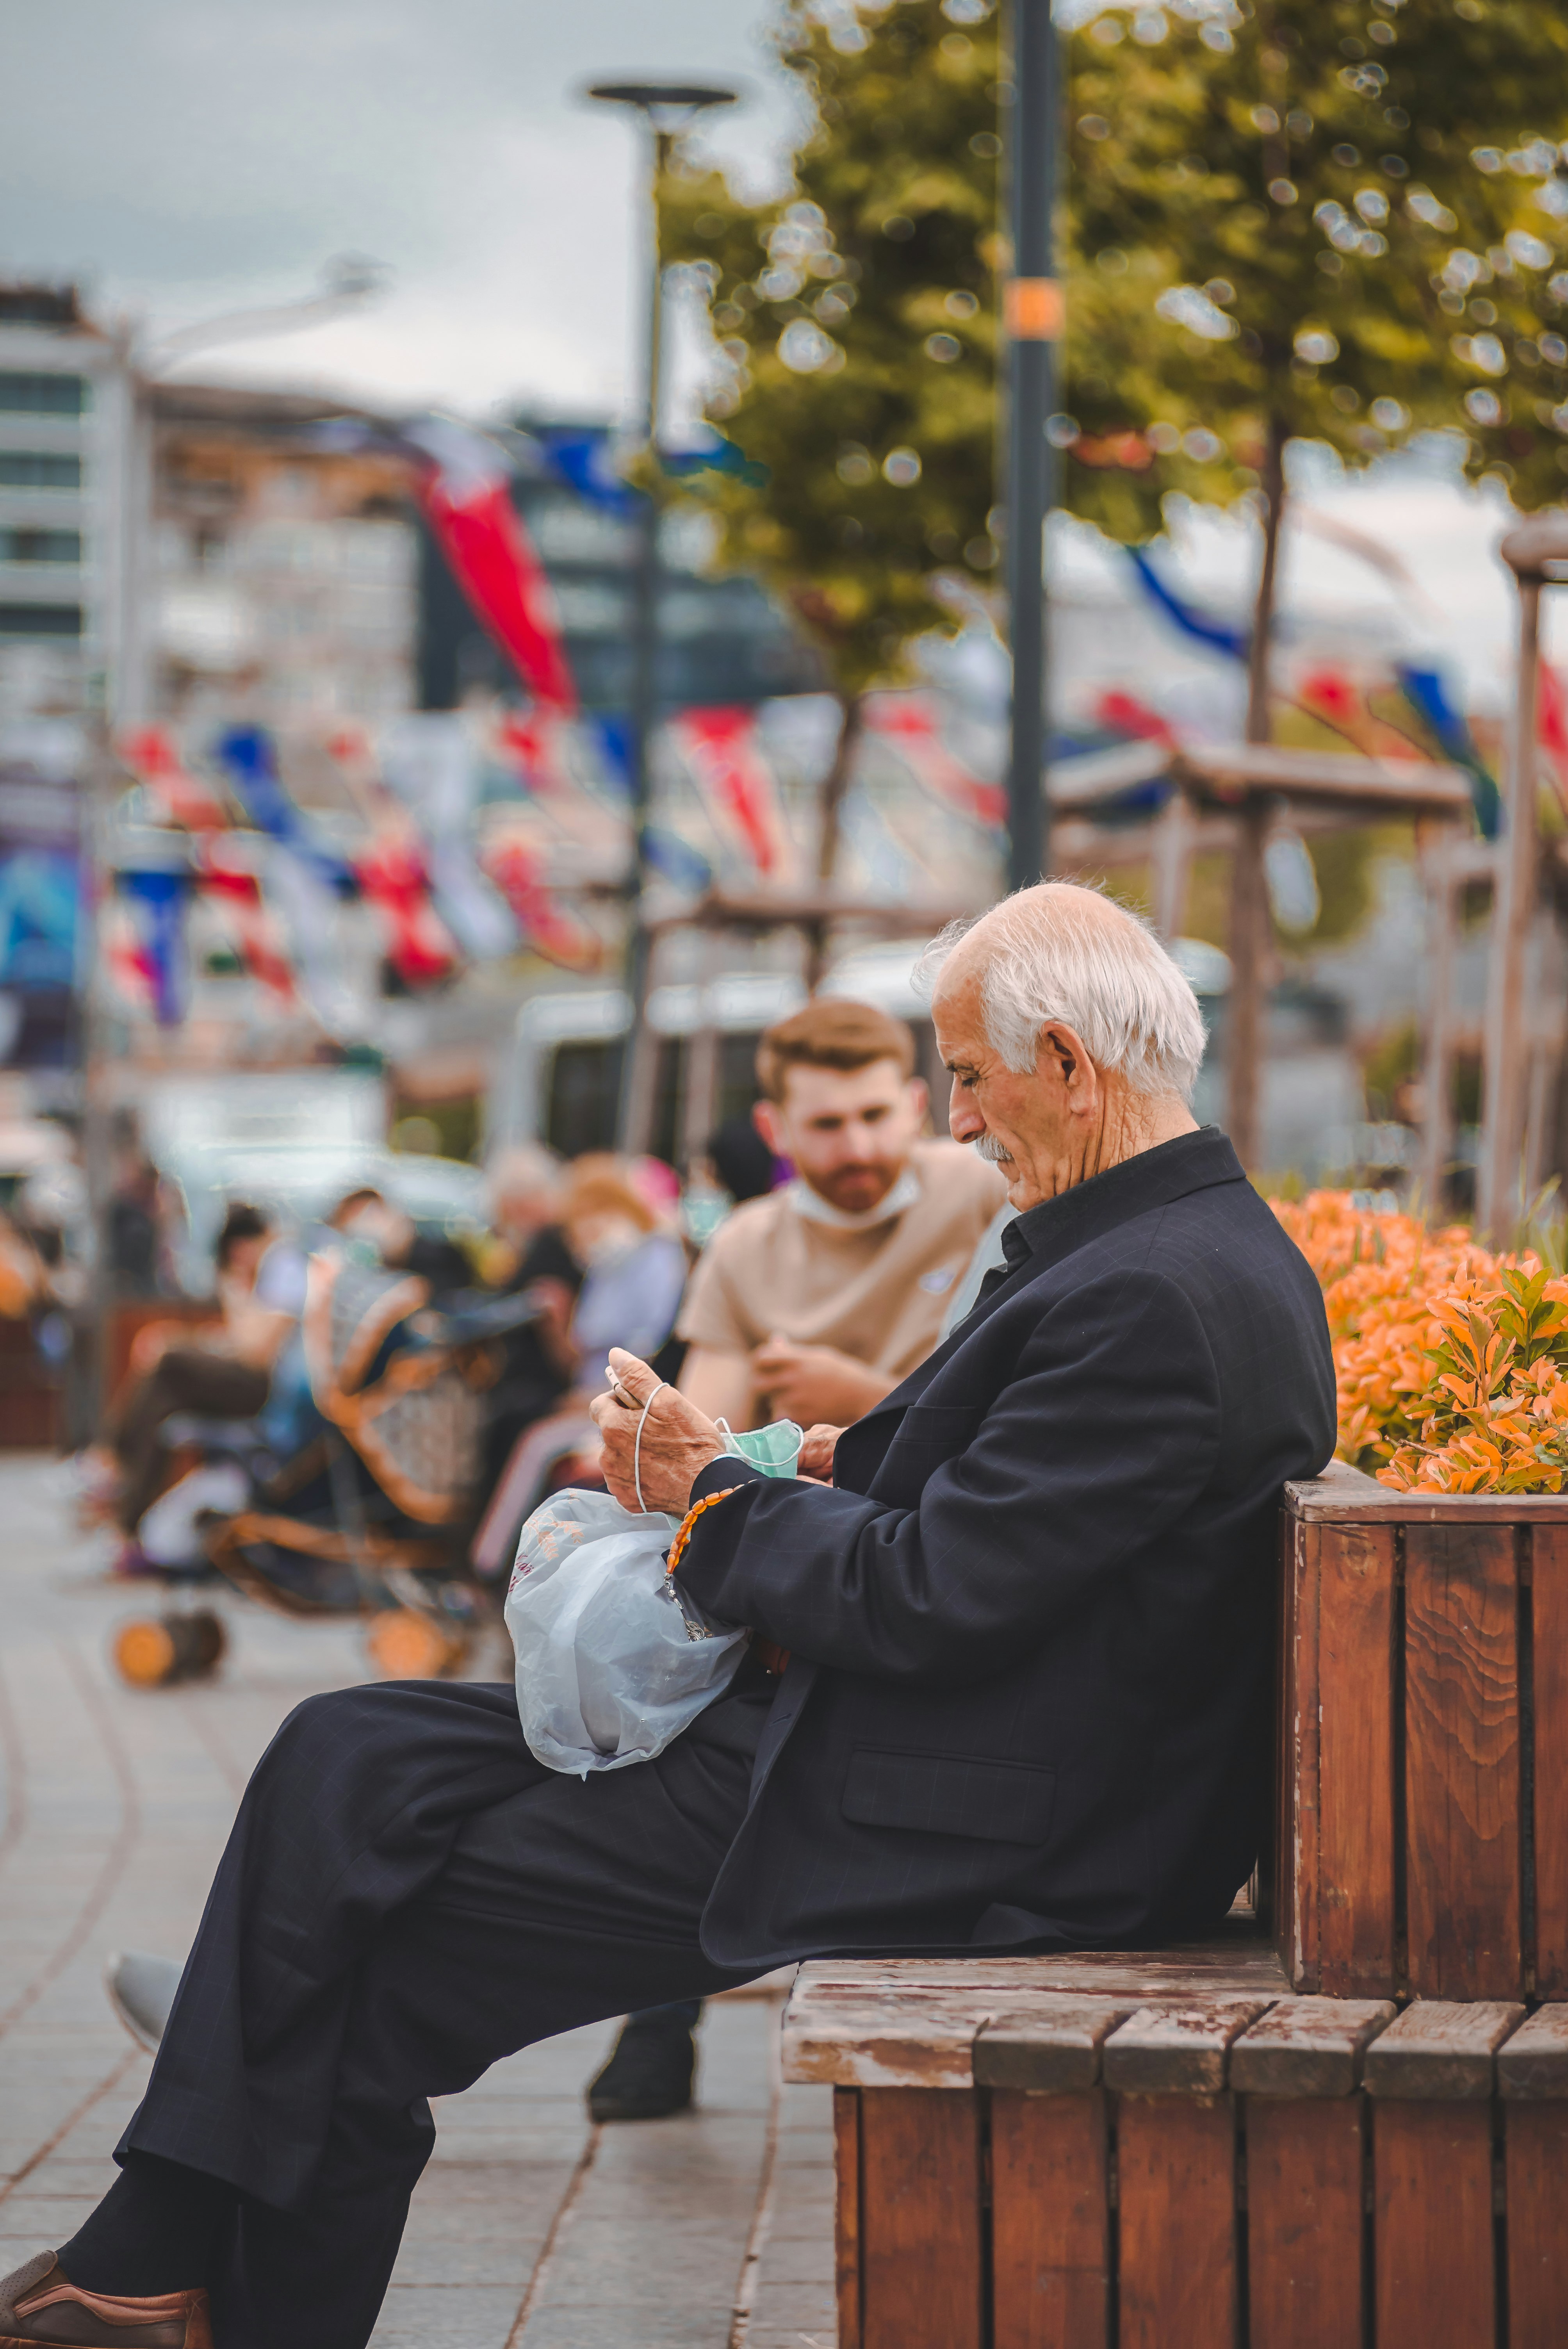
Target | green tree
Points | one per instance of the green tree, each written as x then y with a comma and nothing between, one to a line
857,314
1288,219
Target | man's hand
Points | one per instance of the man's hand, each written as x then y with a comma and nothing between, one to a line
678,1440
817,1453
809,1384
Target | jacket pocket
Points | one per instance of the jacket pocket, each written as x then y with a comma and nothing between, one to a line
949,1794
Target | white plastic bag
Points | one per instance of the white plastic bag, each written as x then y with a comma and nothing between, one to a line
613,1661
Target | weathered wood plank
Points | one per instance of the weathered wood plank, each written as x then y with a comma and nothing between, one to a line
1176,2170
847,2215
1176,2050
1440,2053
1356,1680
1532,2063
1535,2168
1233,1961
1054,2047
1549,1603
1307,2047
1344,1495
1304,2230
1434,2264
1297,1762
1461,1763
912,2039
1050,2220
920,2219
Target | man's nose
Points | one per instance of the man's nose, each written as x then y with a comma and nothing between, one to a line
963,1119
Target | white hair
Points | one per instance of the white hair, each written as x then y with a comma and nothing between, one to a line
526,1171
1060,951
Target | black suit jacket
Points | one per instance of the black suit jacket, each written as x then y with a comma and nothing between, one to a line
1030,1621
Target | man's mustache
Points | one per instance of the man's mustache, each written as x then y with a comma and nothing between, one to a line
988,1147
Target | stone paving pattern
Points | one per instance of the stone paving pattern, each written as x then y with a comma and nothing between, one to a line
530,2229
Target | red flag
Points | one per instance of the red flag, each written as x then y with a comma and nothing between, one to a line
1552,726
393,874
226,877
908,723
721,749
150,754
514,864
463,490
1125,714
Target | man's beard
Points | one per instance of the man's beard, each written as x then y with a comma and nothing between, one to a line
986,1146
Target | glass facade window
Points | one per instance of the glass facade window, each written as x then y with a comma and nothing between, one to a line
21,542
40,620
25,392
39,469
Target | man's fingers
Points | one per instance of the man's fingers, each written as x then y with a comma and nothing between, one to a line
631,1375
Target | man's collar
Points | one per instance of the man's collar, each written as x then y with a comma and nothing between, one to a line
818,1210
1053,1229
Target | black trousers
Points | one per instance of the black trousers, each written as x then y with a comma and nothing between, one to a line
407,1896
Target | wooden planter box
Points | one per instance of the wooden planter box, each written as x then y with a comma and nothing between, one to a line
1161,2152
1422,1845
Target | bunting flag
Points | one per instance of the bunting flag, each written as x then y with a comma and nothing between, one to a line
514,864
1236,643
464,489
1551,728
394,878
249,762
736,786
150,754
531,744
226,879
1427,692
1125,714
153,960
907,723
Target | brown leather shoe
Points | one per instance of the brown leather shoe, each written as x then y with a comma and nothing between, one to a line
39,2304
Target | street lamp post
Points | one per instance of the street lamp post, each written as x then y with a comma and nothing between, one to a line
667,109
1032,317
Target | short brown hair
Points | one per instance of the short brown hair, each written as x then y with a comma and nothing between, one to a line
832,1033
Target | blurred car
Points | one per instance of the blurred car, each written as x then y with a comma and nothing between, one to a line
293,1143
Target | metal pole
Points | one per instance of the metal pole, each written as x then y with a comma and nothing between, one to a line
634,1124
1498,1200
1033,319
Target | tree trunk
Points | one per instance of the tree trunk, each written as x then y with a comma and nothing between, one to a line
835,785
1249,937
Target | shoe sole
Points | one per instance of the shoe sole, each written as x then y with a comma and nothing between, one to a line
137,2030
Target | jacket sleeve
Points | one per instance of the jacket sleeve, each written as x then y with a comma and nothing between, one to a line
1106,1433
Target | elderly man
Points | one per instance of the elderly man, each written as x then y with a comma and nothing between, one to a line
1022,1640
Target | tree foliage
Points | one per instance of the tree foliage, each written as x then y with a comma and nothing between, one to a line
1344,218
858,316
1341,220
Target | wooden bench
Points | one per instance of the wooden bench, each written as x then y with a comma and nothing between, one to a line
1249,2141
1174,2153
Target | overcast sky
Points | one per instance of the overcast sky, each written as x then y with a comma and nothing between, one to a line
183,157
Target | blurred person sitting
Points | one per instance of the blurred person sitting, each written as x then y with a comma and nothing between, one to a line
813,1301
537,1362
635,1269
368,1216
222,1372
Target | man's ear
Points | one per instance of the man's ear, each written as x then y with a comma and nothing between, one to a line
919,1098
764,1117
1069,1064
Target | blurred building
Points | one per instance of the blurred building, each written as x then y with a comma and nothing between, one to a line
69,463
722,640
284,571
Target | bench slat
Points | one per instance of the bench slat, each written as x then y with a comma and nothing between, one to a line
1441,2049
1533,2065
1235,1961
1308,2046
1177,2049
1054,2047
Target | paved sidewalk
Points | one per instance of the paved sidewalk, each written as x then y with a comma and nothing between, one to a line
530,2229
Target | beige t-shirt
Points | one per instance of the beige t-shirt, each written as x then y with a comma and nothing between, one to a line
877,1292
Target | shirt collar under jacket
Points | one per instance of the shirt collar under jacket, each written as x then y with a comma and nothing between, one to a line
818,1210
1053,1229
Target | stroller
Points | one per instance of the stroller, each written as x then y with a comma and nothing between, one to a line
352,1494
